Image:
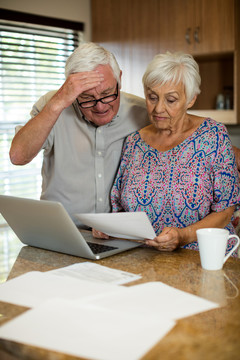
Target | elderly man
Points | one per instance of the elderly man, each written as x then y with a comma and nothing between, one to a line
81,128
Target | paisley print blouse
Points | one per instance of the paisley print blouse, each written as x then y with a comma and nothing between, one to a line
180,186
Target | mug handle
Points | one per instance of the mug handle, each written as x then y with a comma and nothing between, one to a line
233,285
234,248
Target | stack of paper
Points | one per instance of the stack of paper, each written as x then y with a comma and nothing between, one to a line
94,319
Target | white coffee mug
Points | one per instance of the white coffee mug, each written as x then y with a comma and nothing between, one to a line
212,247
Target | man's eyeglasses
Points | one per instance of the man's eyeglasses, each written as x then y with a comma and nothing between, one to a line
105,100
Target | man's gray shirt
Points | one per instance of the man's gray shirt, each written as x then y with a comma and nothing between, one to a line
81,160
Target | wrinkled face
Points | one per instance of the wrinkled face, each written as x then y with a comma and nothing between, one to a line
167,105
101,114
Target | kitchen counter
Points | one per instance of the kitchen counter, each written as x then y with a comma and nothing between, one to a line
209,335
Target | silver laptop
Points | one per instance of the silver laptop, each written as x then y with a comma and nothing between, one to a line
47,225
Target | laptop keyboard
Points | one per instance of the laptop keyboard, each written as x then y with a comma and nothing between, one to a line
100,248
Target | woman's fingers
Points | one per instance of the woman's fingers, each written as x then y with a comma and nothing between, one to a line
168,240
99,235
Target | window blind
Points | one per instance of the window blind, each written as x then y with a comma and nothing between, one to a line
32,62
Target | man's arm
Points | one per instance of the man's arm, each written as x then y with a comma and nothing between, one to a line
29,139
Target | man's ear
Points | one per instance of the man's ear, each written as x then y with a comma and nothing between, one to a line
192,102
120,78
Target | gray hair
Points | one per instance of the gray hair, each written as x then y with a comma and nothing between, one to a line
175,68
87,56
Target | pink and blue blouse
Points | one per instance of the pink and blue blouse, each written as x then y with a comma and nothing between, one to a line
181,186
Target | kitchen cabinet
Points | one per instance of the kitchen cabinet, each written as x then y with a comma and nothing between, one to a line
216,27
136,30
206,29
196,26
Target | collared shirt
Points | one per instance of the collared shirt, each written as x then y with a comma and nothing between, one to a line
81,160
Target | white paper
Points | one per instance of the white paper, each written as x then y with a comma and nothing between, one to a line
87,331
98,273
124,323
33,288
127,225
154,299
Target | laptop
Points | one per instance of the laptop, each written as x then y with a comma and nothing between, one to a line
47,225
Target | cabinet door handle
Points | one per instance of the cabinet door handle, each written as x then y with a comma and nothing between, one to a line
187,35
196,34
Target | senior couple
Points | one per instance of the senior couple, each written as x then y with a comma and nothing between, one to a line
105,150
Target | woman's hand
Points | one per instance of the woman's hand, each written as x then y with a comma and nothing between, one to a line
99,235
168,240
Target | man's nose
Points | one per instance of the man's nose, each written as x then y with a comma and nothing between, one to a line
100,105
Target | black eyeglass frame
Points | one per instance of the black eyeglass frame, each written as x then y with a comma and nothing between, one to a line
95,101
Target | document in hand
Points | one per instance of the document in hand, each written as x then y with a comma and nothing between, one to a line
126,225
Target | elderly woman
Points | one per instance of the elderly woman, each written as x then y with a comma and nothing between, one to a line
180,169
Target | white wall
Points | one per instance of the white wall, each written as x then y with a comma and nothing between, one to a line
75,10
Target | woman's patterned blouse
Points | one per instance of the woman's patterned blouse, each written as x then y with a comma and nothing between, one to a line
181,186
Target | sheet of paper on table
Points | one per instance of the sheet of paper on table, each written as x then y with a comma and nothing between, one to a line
127,225
138,317
33,288
71,282
98,273
153,298
87,331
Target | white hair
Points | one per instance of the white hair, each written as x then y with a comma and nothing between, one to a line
87,56
174,68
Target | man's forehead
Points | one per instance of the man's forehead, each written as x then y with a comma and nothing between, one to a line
107,85
105,69
100,89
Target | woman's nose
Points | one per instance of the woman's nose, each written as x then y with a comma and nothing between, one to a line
159,107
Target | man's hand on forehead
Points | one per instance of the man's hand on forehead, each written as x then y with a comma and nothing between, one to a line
76,84
86,80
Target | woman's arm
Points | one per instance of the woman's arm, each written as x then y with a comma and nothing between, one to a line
171,238
237,156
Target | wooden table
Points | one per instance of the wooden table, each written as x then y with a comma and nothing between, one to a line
210,335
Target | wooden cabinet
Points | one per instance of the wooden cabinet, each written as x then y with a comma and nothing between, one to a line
216,26
136,30
206,29
196,26
130,29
